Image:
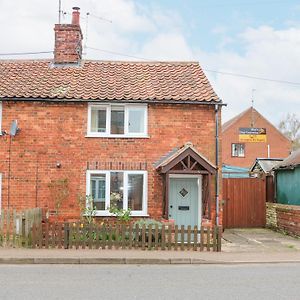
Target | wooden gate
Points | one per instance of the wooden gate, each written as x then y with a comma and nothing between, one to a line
244,202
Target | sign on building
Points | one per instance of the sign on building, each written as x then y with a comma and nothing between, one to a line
252,135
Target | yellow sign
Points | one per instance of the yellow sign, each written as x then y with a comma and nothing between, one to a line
253,138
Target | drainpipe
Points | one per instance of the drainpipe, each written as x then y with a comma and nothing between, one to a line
217,187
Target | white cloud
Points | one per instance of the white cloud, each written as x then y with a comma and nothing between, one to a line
268,53
150,32
167,46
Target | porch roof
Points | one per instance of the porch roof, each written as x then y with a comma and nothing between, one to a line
176,156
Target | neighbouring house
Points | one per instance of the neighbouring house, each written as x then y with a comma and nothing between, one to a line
263,168
141,134
287,179
249,135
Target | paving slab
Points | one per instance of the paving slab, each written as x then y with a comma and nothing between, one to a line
258,240
61,256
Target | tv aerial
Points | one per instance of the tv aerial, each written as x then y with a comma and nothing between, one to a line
14,129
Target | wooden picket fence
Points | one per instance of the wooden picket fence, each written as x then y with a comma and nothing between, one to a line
80,236
16,226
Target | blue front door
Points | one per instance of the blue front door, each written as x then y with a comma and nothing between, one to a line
184,201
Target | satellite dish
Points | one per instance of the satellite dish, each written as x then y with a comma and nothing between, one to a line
14,128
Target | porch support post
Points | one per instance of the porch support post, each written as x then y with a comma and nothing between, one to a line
167,184
209,196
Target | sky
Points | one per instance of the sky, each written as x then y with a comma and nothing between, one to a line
248,38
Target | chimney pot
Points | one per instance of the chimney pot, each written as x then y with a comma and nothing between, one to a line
75,16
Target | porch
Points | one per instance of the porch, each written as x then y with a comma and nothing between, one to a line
187,184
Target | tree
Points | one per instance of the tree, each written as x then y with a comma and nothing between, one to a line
290,127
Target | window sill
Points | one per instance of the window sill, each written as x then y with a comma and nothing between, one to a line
118,136
107,214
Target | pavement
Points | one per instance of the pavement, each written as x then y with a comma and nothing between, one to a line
239,246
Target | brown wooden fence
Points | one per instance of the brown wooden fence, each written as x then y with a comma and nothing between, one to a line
16,226
245,202
79,236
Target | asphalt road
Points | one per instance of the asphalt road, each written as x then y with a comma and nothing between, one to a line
266,281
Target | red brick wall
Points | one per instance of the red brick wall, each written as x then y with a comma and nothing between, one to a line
284,217
54,133
68,47
280,147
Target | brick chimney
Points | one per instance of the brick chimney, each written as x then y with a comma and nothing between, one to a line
68,40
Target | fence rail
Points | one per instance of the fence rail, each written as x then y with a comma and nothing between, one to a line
79,236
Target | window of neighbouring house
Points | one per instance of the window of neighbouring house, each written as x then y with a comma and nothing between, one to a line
0,118
238,150
0,192
123,189
116,120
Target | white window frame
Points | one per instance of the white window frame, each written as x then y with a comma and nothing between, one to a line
0,118
238,155
106,212
0,192
107,133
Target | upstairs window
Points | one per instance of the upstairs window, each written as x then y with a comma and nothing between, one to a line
115,120
238,150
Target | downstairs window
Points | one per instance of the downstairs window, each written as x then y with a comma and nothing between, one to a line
124,189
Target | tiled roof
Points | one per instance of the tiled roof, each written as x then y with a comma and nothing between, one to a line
230,122
290,162
176,152
106,81
267,164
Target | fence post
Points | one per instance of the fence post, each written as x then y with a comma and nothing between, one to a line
14,227
215,238
66,235
163,237
195,238
149,237
40,233
176,238
130,236
170,228
1,227
182,230
143,236
208,238
47,234
7,227
156,237
219,234
188,237
124,227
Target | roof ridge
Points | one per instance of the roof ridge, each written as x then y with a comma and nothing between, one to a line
231,121
107,61
21,60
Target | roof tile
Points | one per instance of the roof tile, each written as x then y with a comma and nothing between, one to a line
104,80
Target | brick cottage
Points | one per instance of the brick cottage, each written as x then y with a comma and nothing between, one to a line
142,132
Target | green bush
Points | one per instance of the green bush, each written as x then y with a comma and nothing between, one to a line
148,222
